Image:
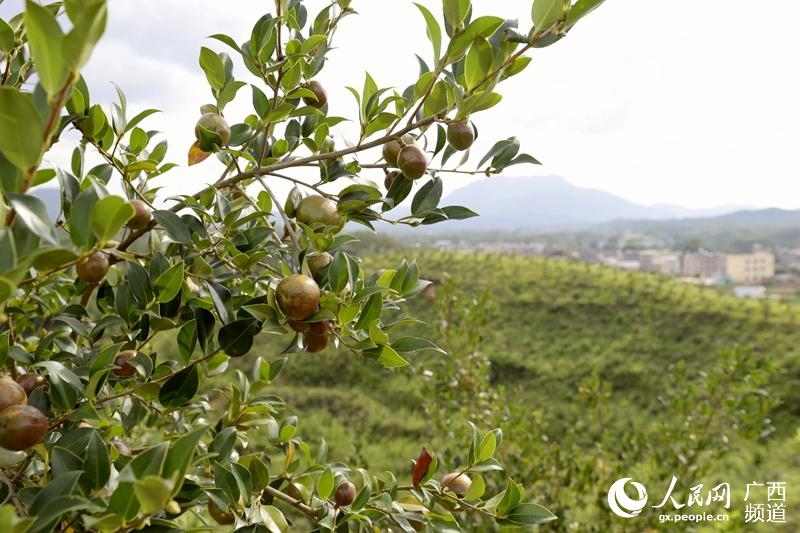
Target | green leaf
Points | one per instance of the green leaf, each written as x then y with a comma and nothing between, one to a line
180,388
479,102
427,197
212,65
33,213
236,338
479,62
434,31
415,344
455,11
96,465
6,36
487,447
477,489
545,13
580,9
180,455
87,30
168,284
3,344
46,42
21,130
390,358
272,518
153,493
174,226
526,514
325,484
511,497
108,216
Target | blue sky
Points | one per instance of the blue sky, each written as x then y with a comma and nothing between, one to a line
691,102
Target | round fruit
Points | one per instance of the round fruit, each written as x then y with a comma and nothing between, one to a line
122,368
460,134
345,494
214,122
390,177
93,269
296,325
316,342
21,426
412,162
317,209
392,148
222,518
320,328
317,262
321,97
29,382
11,393
459,484
298,296
141,215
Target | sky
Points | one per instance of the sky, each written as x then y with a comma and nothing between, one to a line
690,102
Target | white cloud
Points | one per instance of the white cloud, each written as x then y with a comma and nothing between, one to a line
684,101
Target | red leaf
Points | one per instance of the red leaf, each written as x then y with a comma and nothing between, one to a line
196,155
421,467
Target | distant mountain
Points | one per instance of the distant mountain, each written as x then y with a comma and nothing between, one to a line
749,218
552,203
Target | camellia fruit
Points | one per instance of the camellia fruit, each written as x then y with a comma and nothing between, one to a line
11,393
93,268
122,368
319,210
390,177
458,483
30,382
216,123
298,296
21,426
222,518
460,134
141,215
296,325
316,342
317,262
412,162
345,494
392,148
321,97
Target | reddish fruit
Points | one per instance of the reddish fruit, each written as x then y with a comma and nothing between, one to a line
345,494
317,262
21,426
29,382
216,123
122,368
390,177
93,268
317,210
320,328
412,162
320,96
300,327
392,148
11,393
316,342
459,484
141,215
298,296
460,134
221,517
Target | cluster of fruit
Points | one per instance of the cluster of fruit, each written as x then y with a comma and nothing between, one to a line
21,425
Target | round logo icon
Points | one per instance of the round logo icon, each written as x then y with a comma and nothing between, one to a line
621,504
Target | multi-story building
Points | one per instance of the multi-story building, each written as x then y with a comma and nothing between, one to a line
750,268
703,264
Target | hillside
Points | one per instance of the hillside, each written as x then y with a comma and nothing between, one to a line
554,323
